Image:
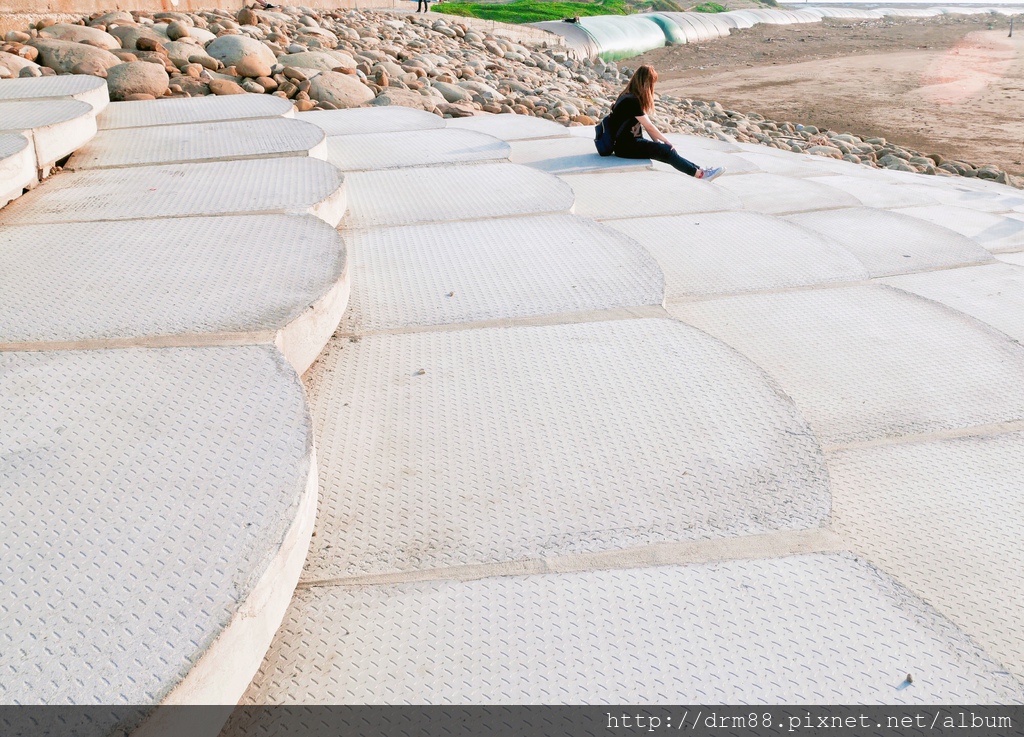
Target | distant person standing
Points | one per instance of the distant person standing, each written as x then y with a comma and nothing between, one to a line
422,6
628,120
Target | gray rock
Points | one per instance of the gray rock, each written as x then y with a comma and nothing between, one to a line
129,35
341,90
452,92
405,98
230,50
325,61
94,36
62,56
134,78
177,30
15,63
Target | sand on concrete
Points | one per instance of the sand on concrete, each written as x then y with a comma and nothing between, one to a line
947,85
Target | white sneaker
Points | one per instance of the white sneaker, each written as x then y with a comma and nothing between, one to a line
709,174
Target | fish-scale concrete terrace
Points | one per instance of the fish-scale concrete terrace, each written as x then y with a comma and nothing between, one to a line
729,436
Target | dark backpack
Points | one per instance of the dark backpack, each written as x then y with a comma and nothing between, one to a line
604,139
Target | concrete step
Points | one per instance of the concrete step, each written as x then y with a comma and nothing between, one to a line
371,120
402,149
279,279
259,186
199,142
158,504
56,127
439,194
447,273
194,110
81,87
18,169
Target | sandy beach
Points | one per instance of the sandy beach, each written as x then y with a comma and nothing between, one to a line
948,85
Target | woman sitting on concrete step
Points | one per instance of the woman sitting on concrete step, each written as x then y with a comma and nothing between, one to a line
628,120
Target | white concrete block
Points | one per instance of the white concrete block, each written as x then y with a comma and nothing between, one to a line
82,87
371,120
193,110
724,252
870,362
403,149
499,444
440,194
199,142
994,233
511,127
17,166
800,630
494,269
611,195
774,194
260,186
57,127
890,243
177,280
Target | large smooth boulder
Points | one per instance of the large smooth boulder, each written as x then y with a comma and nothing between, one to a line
322,60
201,35
63,56
341,90
179,51
129,35
405,98
15,63
452,92
116,16
69,32
136,78
230,50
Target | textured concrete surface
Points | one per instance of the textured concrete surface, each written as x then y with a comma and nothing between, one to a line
258,186
439,194
463,272
193,110
509,127
199,142
82,87
56,126
371,120
17,166
796,482
403,149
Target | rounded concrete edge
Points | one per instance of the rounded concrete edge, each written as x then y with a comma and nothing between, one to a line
303,338
331,209
224,671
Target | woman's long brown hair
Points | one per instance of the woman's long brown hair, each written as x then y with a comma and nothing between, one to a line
641,86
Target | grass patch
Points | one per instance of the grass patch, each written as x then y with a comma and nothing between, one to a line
531,11
709,7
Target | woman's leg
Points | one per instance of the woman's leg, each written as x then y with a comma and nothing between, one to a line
641,148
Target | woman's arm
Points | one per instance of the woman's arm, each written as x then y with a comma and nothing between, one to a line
652,130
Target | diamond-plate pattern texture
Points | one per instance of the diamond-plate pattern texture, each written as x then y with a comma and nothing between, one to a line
57,127
644,193
774,194
439,194
891,243
84,87
144,494
18,115
875,192
475,446
992,232
193,110
510,127
865,363
962,194
412,148
172,144
784,164
943,517
459,272
700,143
218,188
723,252
371,120
569,156
17,166
993,293
803,630
138,279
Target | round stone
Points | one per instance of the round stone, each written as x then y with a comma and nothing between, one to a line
136,77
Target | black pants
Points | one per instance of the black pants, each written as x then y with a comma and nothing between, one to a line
422,5
641,148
